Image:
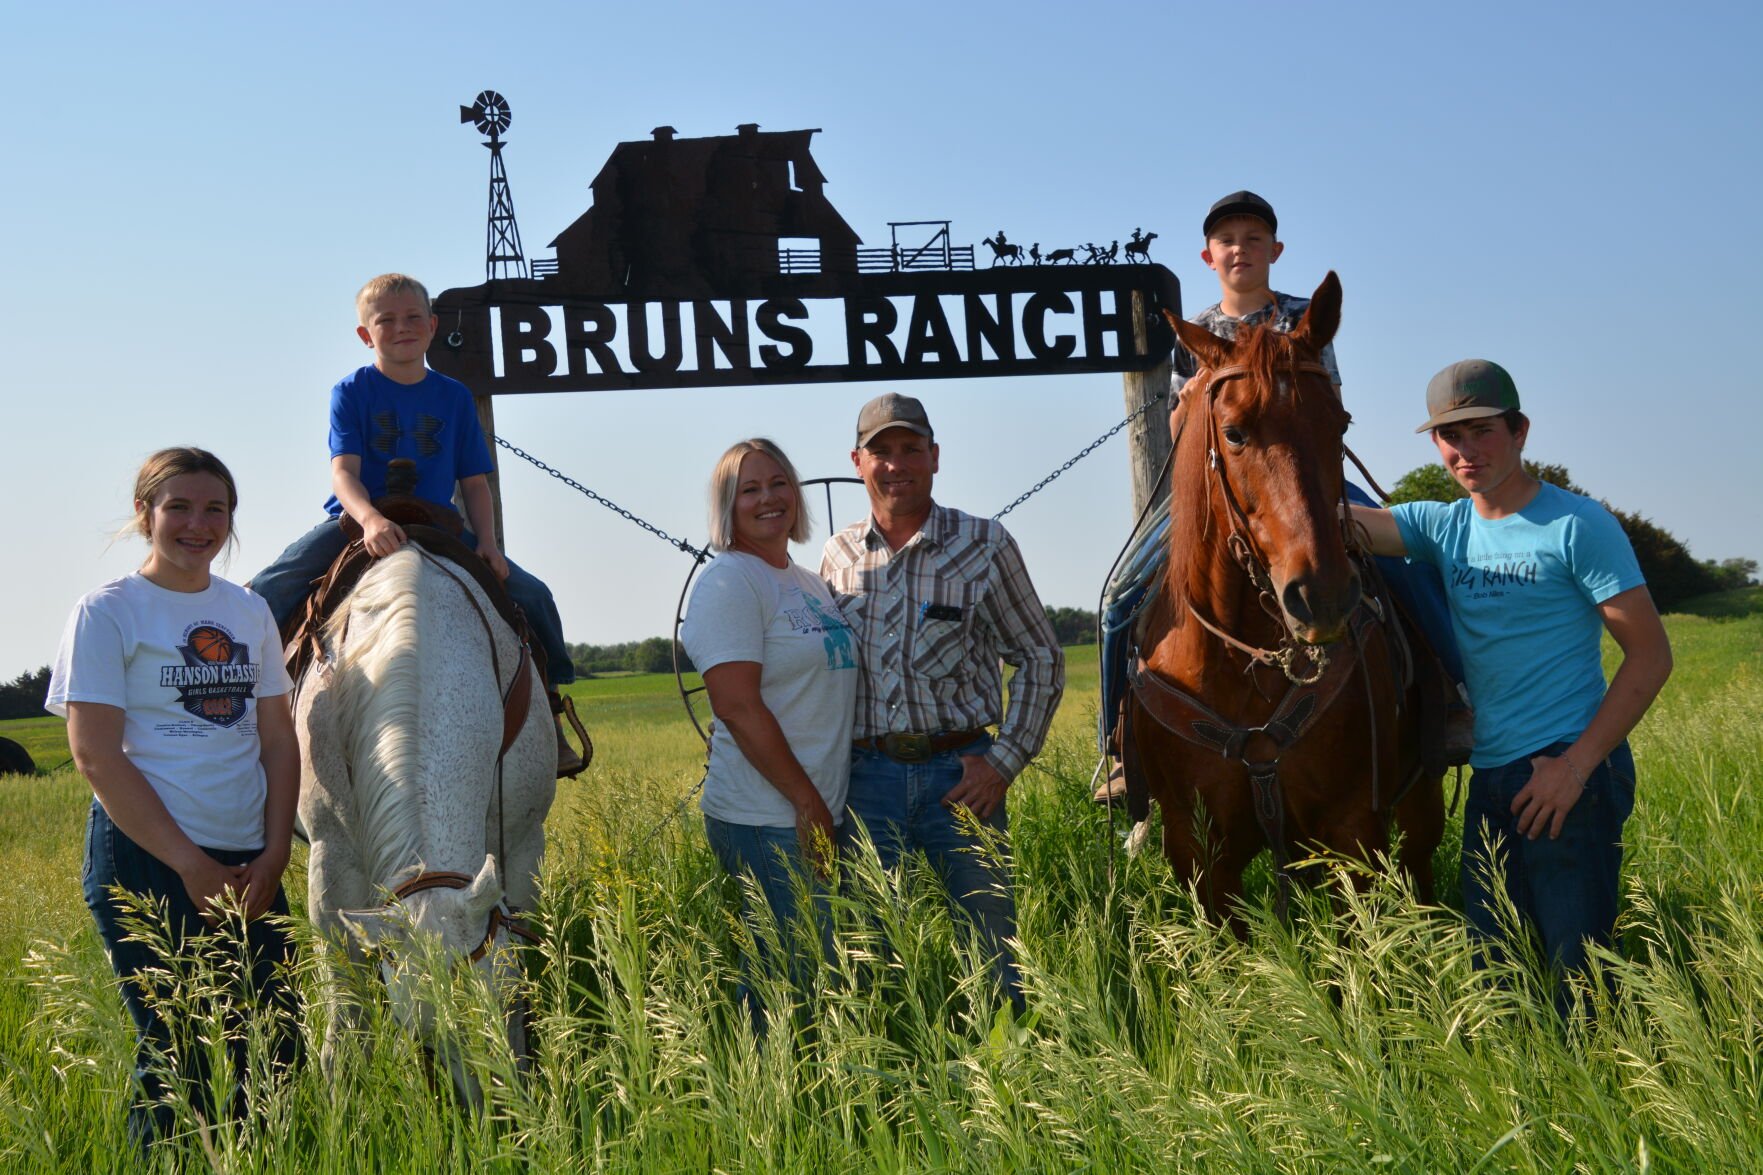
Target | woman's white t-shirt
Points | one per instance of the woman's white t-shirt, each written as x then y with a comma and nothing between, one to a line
186,669
744,609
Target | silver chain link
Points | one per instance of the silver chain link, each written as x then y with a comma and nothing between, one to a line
1082,453
689,549
573,484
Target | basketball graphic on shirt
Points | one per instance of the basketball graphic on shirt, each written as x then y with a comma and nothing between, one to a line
217,679
211,644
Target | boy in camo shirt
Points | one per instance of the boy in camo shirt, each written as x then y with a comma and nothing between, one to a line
1242,243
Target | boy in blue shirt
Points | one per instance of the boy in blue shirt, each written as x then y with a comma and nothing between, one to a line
1534,575
397,407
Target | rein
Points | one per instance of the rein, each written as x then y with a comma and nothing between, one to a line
500,918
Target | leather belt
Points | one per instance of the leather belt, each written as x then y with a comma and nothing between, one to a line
908,747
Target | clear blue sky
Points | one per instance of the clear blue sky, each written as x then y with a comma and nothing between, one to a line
194,192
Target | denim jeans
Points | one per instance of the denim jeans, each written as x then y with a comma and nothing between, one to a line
771,857
286,582
1565,889
112,859
901,806
1420,590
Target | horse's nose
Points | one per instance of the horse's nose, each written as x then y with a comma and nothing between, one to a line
1312,608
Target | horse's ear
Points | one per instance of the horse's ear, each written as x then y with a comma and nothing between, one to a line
485,890
1207,347
1323,318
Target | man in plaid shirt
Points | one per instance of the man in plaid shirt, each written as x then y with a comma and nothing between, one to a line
937,598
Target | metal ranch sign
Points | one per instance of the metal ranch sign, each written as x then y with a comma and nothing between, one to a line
719,261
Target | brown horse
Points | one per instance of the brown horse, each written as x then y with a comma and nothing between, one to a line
1271,704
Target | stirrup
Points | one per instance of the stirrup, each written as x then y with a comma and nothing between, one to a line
564,707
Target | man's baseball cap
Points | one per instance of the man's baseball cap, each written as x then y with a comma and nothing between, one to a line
1244,203
891,411
1468,390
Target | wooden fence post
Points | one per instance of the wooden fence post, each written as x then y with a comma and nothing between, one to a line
486,418
1148,436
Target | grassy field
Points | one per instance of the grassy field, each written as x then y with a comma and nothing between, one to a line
1356,1037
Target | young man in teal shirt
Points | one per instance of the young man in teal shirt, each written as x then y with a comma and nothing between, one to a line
1534,576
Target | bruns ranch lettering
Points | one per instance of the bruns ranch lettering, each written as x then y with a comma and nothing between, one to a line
578,339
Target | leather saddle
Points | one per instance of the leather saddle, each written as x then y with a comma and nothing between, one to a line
436,529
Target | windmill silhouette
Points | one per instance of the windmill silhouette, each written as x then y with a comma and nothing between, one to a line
502,254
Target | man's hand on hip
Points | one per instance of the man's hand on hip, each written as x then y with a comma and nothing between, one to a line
981,788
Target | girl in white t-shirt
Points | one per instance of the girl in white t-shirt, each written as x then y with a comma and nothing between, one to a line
780,665
176,700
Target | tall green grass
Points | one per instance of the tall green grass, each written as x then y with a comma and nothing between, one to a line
1353,1037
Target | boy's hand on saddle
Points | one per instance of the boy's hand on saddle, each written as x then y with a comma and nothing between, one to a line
489,553
1543,803
381,536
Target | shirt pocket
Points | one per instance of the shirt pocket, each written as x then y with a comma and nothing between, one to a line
942,630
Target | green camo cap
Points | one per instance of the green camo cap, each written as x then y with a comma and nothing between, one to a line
1468,390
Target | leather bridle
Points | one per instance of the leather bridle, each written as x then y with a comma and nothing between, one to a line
1241,539
501,919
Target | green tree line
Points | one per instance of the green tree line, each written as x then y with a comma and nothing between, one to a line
22,697
1673,574
1073,626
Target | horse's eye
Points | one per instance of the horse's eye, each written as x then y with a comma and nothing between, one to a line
1234,436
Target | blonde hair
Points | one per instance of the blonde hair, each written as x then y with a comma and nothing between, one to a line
166,464
391,283
725,482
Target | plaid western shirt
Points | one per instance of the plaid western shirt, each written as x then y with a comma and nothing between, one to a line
934,619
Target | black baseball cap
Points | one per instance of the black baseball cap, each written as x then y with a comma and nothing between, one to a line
1243,203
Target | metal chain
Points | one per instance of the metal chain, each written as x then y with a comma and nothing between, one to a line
1082,453
573,484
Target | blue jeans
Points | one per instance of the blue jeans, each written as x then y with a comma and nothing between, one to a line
1566,889
1420,590
287,582
771,857
901,806
112,859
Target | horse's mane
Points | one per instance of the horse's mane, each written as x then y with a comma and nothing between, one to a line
378,685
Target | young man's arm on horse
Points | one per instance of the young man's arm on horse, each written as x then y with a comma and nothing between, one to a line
1381,531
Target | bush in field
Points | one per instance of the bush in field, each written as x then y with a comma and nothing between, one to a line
1073,626
23,696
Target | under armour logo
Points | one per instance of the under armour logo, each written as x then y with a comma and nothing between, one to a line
427,429
386,433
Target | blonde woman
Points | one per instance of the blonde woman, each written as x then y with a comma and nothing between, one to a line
781,670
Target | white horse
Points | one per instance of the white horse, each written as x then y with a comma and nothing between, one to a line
416,829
